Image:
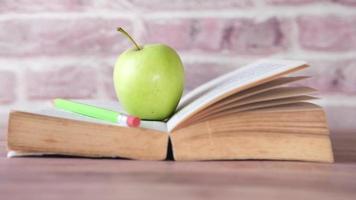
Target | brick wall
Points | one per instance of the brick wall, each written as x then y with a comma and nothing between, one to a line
66,48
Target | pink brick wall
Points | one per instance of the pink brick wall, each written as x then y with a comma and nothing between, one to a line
66,48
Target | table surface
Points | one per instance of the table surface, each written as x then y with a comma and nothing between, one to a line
81,178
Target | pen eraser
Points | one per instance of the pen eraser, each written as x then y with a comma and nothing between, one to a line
133,121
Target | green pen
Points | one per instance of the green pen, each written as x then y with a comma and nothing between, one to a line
97,113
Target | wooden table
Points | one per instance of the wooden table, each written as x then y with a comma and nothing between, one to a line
74,178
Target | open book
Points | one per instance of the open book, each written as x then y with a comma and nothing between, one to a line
249,113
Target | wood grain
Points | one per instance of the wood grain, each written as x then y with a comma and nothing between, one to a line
74,178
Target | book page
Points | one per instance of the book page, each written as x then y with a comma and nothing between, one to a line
254,106
110,105
228,84
273,94
270,85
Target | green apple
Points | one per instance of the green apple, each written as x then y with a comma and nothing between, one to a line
149,80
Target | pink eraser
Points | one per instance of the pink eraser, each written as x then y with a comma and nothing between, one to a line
133,121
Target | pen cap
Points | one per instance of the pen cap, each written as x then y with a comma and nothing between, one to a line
133,121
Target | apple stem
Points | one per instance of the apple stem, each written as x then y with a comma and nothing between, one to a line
121,30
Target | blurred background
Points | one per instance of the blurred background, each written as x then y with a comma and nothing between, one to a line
67,48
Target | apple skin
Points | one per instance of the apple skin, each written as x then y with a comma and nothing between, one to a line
149,82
